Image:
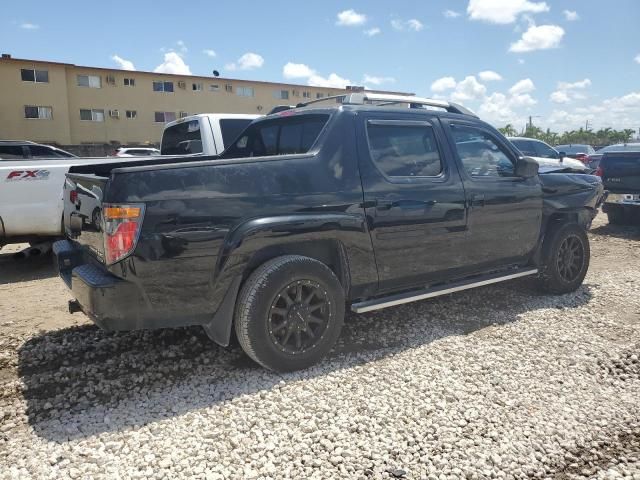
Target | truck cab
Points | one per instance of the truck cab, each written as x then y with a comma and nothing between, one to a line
203,134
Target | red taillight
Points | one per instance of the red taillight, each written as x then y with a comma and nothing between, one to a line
121,229
599,171
582,157
73,196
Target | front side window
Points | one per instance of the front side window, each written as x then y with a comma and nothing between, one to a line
404,150
525,146
40,151
91,81
92,115
33,111
545,151
33,75
481,154
281,136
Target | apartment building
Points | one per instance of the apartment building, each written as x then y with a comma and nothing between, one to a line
66,104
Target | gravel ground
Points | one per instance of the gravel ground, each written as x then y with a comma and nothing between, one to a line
498,382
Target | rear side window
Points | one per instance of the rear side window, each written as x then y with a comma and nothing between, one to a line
182,139
232,128
404,150
281,136
11,151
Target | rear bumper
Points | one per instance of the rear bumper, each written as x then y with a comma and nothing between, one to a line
111,302
626,201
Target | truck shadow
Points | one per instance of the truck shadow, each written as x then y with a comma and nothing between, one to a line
81,381
629,232
14,270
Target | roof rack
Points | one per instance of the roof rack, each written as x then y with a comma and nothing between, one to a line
364,98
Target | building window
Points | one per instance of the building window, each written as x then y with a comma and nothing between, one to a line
163,86
33,111
228,87
132,114
92,115
91,81
319,95
214,88
164,117
246,92
306,94
281,94
37,76
129,82
196,87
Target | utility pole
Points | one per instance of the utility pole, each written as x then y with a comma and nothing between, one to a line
587,126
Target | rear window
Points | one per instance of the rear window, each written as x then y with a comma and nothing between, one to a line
280,136
570,149
232,128
39,151
182,139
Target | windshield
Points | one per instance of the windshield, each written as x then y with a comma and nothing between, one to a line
279,136
182,139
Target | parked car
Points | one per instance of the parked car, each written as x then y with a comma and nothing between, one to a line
594,159
314,208
23,150
31,192
546,155
620,173
135,152
203,134
578,151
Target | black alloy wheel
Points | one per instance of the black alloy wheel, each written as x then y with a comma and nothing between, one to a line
570,259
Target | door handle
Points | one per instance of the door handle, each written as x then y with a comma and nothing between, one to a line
384,204
477,200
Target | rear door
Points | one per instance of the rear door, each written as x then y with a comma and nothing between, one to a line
505,211
414,198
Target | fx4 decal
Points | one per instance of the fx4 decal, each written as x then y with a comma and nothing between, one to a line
17,175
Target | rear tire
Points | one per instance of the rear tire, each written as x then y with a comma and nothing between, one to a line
289,313
565,259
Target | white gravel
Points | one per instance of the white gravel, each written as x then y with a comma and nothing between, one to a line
493,383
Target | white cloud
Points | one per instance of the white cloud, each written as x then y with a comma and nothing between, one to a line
29,26
451,14
443,84
350,18
503,11
372,32
173,63
297,70
468,89
521,61
248,61
209,53
332,81
523,86
182,47
122,63
540,37
637,58
412,24
377,80
568,91
617,112
489,76
571,15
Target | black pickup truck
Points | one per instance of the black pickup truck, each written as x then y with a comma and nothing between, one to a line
620,173
366,204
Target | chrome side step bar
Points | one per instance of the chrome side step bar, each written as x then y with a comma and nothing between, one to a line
413,296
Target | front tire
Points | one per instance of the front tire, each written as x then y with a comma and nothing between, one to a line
289,313
565,259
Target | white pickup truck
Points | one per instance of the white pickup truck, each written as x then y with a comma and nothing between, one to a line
31,203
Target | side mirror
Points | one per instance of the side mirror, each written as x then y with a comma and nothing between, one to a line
526,167
562,155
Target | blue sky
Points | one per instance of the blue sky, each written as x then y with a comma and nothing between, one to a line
561,61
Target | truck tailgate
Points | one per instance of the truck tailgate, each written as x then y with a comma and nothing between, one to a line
621,171
82,211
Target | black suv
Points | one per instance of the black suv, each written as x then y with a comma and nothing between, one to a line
366,204
23,150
